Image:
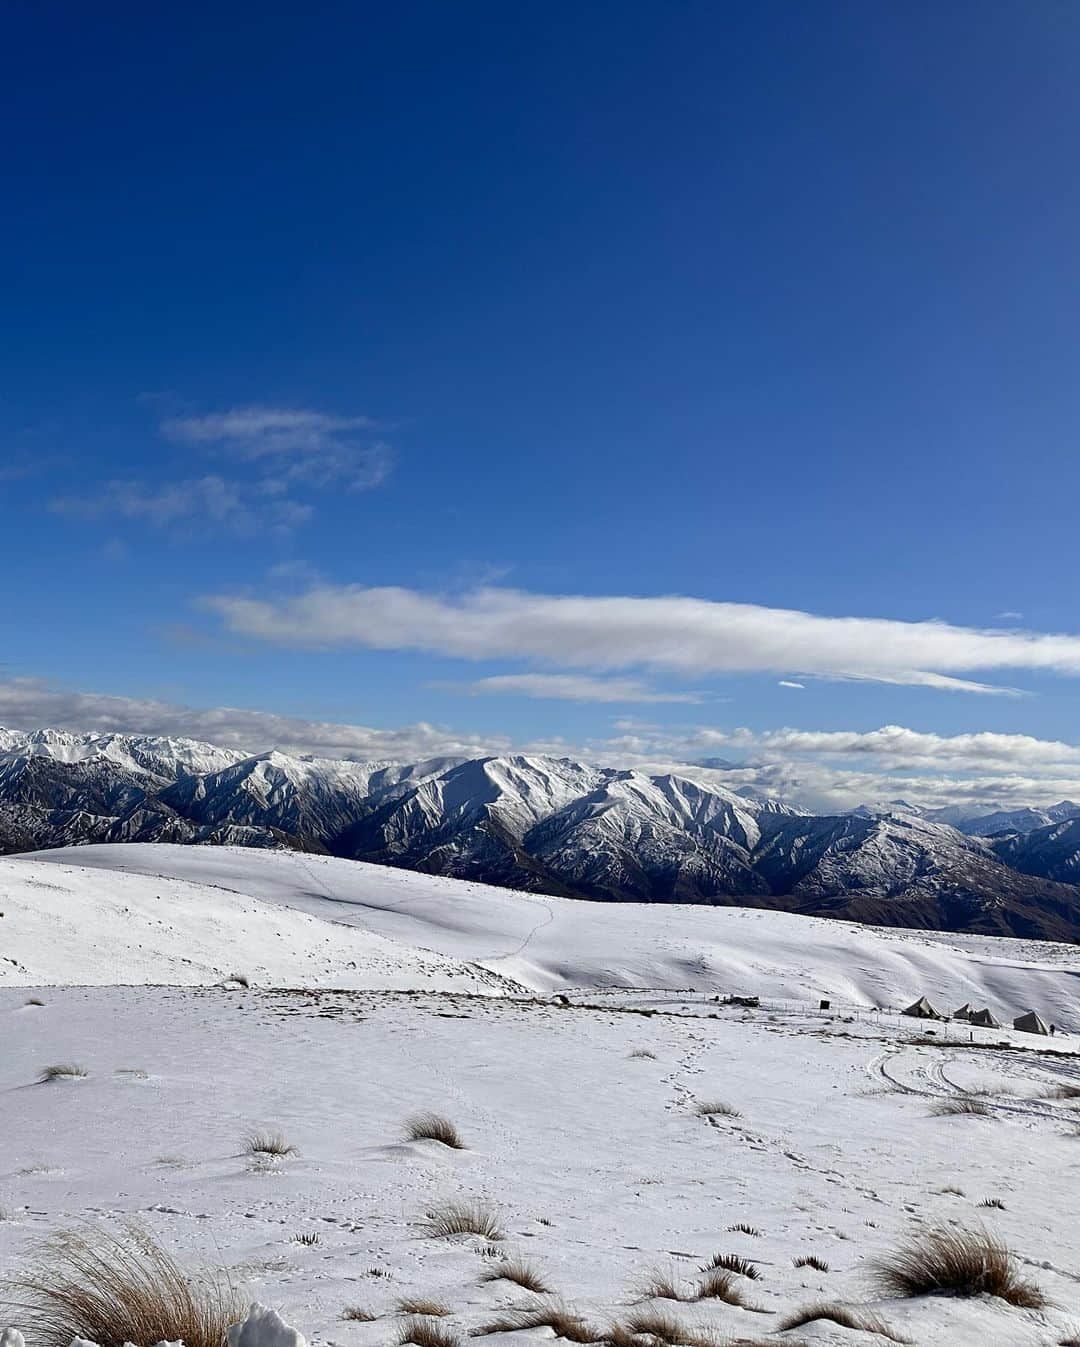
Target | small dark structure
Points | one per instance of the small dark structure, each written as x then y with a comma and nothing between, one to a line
1031,1022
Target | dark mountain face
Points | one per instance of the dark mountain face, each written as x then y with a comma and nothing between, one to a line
1052,852
549,825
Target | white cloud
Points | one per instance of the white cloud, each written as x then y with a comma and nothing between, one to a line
788,683
576,688
296,446
287,452
676,634
200,501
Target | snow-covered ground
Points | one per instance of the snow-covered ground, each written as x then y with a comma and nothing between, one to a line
580,1123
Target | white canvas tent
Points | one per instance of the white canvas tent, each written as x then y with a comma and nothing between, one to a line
1031,1022
983,1019
964,1013
922,1010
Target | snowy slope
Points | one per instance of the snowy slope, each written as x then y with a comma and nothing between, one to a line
593,1157
538,943
535,823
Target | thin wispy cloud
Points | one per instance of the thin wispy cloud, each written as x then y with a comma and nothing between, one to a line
289,455
292,445
575,688
209,501
790,683
681,635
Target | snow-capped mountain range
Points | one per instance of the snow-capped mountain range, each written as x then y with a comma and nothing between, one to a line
556,826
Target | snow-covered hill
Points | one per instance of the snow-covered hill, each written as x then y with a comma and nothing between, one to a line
175,914
539,824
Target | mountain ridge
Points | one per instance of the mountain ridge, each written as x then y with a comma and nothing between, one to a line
552,825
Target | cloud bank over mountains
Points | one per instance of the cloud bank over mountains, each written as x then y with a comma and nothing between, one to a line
823,770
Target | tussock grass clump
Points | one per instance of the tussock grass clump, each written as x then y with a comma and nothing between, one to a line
741,1228
717,1108
994,1202
518,1271
810,1260
433,1127
847,1316
239,979
733,1262
465,1218
422,1332
643,1054
958,1263
955,1108
268,1143
34,1001
63,1071
659,1284
425,1308
720,1284
656,1328
563,1322
309,1239
112,1289
358,1314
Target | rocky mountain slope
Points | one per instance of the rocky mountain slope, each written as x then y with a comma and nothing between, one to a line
548,825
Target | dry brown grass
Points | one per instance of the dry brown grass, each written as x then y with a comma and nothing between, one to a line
113,1289
63,1071
847,1316
269,1143
518,1271
423,1332
430,1309
720,1284
562,1321
656,1328
465,1218
741,1228
955,1108
810,1260
433,1127
958,1263
659,1284
733,1262
717,1108
359,1314
643,1054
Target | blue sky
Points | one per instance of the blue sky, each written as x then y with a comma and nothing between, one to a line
345,346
